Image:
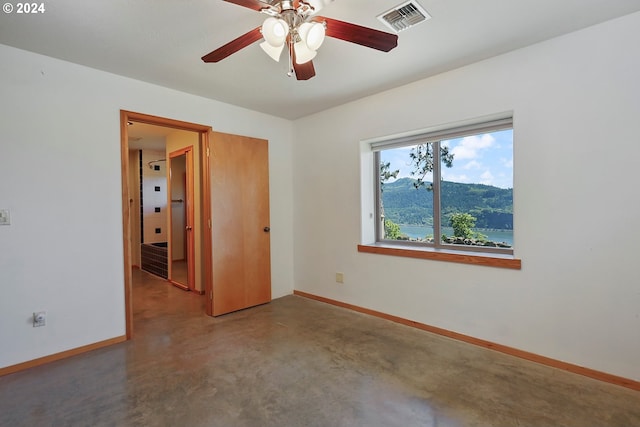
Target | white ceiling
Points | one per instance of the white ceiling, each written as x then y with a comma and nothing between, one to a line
162,41
149,137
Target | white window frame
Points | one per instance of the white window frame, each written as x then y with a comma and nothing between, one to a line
435,135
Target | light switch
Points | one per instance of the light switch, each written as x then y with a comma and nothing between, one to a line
4,217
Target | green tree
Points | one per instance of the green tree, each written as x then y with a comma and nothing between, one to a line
392,230
462,224
422,158
386,174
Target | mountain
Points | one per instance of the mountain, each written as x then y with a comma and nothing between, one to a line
404,204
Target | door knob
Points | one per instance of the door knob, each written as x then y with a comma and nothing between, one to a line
188,228
266,229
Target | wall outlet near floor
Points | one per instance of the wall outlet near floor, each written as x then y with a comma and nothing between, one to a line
5,217
339,277
39,318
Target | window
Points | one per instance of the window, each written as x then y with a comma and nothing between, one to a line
447,188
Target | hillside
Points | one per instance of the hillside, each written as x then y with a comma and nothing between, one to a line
492,206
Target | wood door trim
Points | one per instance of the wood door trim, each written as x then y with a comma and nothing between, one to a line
204,132
189,216
126,226
205,207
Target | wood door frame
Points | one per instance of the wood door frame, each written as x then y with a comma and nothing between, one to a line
205,187
189,219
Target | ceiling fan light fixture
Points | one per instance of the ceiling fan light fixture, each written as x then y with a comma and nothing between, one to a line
273,51
312,34
294,24
275,31
303,53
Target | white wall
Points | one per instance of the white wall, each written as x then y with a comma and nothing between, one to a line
152,179
60,177
576,103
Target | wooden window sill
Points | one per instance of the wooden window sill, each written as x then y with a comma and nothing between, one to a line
475,258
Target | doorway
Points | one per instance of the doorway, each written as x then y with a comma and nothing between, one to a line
181,248
198,211
233,252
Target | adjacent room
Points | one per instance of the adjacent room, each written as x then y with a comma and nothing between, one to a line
322,213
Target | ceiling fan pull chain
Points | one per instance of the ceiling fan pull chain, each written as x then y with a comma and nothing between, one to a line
290,72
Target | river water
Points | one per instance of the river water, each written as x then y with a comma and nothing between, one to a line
421,231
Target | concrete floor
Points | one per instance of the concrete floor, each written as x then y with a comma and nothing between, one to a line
297,362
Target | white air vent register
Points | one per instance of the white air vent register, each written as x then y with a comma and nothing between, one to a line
404,16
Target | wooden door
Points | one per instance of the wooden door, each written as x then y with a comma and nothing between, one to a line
239,222
182,219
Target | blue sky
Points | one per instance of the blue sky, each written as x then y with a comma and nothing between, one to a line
478,159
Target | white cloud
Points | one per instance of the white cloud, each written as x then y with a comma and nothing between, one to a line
473,164
456,178
486,178
469,146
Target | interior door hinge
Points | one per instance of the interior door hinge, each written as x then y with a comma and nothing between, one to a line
207,151
209,223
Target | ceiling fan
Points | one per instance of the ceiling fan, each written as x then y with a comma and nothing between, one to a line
291,24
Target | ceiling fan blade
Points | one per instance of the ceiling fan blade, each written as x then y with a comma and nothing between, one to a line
304,71
364,36
233,46
251,4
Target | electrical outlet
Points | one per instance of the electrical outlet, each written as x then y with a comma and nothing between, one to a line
339,277
5,217
39,319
